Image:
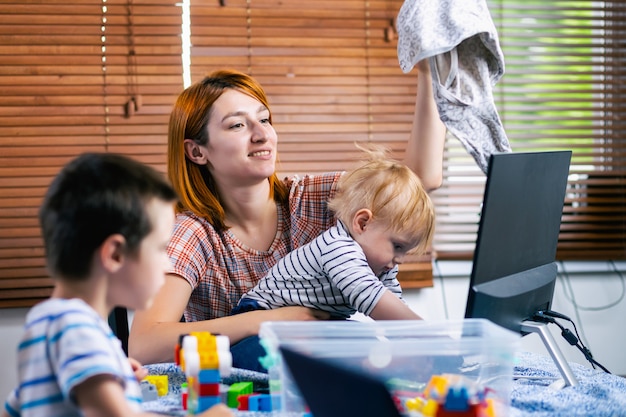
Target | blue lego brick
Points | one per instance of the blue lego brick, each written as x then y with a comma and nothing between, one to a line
209,376
260,402
204,403
457,399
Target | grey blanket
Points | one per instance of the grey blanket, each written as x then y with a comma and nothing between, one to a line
598,394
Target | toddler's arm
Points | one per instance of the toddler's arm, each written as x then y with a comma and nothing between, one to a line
390,307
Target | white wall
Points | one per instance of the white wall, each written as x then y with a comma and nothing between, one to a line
11,323
594,284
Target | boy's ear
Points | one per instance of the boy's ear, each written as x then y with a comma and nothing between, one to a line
113,252
361,219
195,152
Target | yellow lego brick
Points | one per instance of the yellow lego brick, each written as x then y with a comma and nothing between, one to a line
206,341
209,360
430,408
415,404
490,410
437,387
160,382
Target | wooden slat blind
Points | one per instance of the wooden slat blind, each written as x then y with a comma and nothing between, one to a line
564,88
331,72
67,68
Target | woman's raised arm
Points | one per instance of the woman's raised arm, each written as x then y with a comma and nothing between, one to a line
424,152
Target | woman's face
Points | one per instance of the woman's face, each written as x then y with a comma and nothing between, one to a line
242,142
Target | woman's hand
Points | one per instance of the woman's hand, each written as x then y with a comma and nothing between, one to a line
296,313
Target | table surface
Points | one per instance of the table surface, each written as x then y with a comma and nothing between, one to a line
597,394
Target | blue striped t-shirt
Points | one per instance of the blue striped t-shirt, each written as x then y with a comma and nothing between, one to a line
65,343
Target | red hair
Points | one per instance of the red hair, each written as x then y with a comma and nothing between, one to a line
189,118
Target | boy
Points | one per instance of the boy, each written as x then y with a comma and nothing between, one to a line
383,213
106,221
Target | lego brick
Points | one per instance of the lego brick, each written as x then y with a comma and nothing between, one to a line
237,389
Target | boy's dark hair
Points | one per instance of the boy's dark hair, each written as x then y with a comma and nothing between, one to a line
93,197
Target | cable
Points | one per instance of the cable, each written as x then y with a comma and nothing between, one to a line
572,299
569,294
567,287
573,340
443,292
549,316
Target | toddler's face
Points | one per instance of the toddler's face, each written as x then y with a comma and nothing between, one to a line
383,248
145,272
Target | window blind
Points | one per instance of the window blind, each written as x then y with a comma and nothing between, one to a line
563,89
331,71
69,72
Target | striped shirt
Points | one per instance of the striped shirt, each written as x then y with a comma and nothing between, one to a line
220,269
65,343
330,273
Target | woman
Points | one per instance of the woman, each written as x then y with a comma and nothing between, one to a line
236,218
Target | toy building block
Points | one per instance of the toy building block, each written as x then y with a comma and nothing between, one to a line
205,359
204,403
436,387
260,402
473,410
160,381
451,395
148,391
457,399
243,402
237,389
183,395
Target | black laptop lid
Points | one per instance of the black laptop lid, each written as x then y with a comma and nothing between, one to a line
331,390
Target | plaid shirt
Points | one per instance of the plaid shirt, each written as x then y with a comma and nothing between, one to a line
220,269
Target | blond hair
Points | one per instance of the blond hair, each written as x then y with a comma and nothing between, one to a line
392,192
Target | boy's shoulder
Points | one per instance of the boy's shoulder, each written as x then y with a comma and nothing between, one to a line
59,305
58,312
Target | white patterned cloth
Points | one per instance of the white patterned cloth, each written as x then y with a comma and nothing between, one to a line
461,42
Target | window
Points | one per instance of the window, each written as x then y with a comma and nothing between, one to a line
330,67
563,89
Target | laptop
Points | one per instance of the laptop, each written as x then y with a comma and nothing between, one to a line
344,392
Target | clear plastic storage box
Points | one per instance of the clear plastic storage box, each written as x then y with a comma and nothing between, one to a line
407,355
